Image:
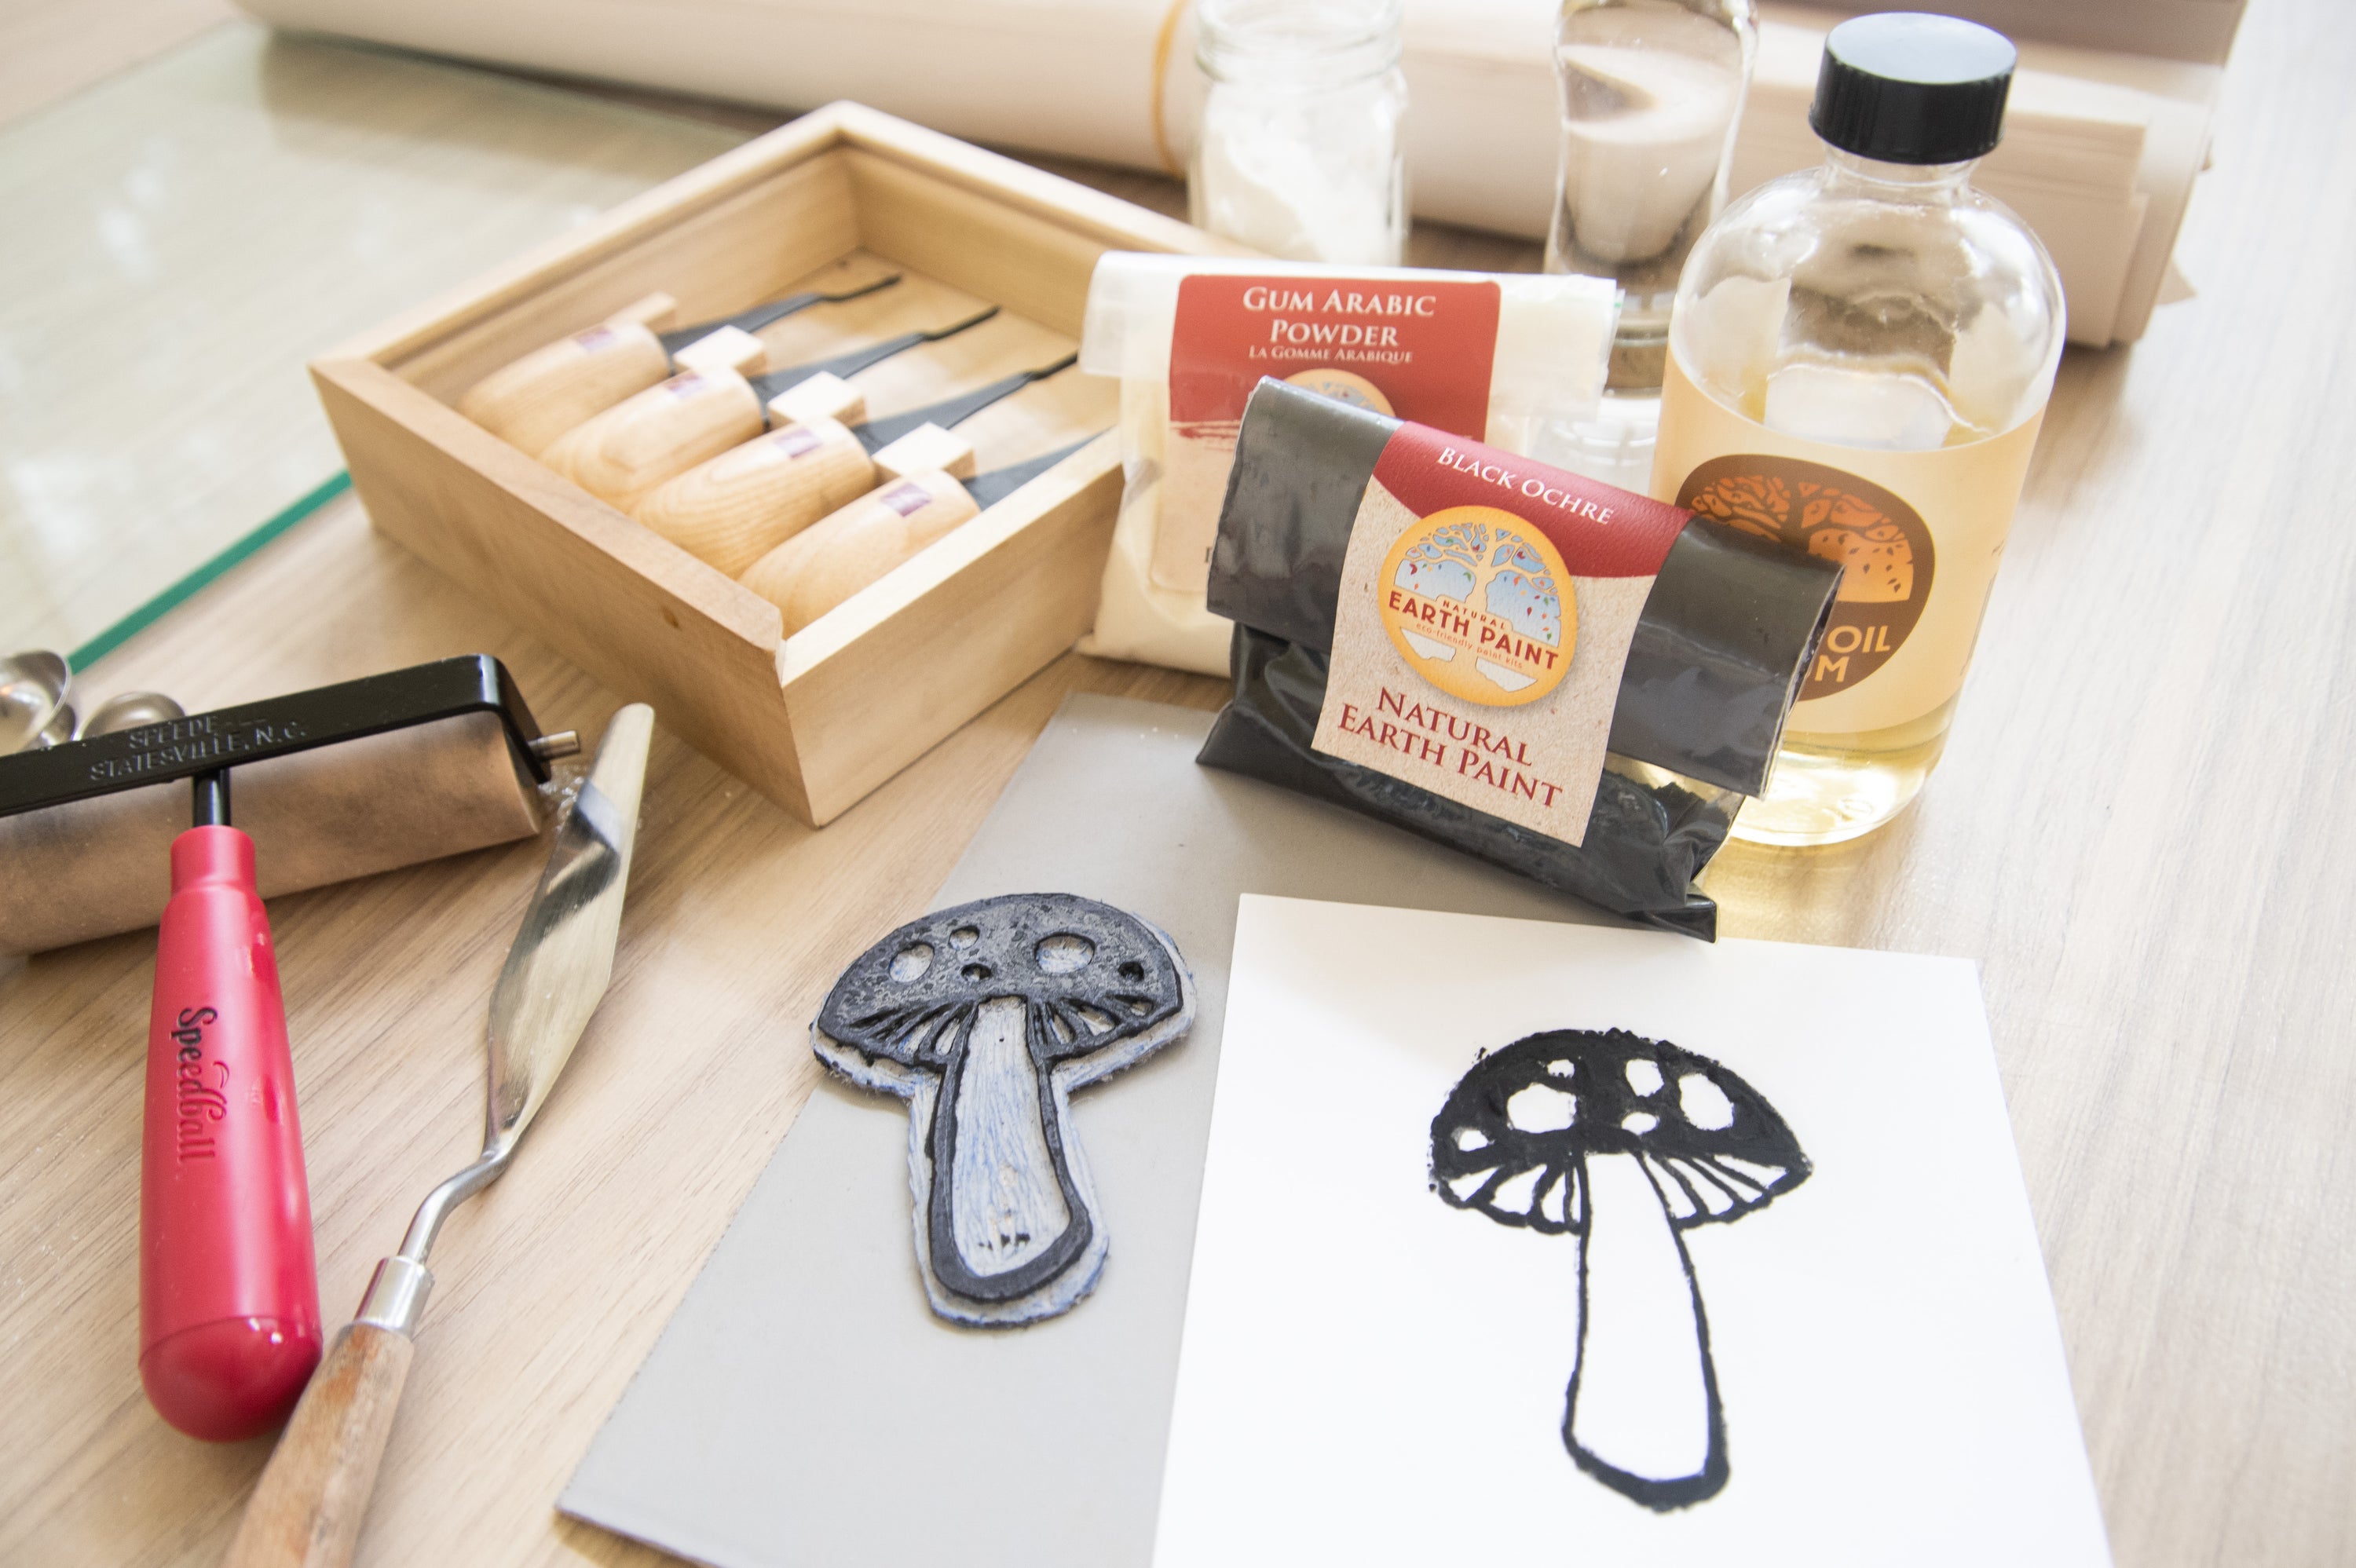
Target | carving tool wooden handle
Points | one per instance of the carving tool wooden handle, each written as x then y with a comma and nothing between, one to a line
837,556
625,454
531,401
306,1510
744,503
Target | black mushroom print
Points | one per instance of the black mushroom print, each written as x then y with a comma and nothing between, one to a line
985,1017
1626,1144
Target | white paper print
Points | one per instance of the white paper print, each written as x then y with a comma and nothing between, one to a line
1548,1243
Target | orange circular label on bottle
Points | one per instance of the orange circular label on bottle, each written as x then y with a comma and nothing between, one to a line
1882,543
1479,603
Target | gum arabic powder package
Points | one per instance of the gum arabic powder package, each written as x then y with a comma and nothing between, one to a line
1570,680
1502,357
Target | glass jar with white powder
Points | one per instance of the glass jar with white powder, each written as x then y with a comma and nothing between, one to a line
1299,151
1652,91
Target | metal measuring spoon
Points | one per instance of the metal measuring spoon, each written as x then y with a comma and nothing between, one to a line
33,687
129,711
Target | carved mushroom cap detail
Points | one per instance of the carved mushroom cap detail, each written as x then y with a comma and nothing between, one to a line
1091,975
1514,1136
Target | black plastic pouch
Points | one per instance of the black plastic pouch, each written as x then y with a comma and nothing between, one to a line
1723,643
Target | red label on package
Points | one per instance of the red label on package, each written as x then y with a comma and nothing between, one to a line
1486,608
1415,349
1599,529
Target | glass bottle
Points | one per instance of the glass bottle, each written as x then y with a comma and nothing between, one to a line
1651,91
1858,363
1298,151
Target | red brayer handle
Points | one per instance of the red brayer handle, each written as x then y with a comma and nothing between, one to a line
228,1293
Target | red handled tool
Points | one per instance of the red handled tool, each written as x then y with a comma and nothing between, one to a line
333,783
229,1295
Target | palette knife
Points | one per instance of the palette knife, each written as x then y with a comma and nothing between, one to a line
307,1508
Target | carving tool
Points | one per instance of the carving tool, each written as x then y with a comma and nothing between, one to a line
837,556
622,454
745,502
307,1508
530,401
332,782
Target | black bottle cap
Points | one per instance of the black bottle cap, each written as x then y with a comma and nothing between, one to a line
1906,87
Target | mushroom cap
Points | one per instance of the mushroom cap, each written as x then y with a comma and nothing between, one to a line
1092,975
1515,1135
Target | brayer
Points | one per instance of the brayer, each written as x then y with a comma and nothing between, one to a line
623,453
529,402
117,831
734,508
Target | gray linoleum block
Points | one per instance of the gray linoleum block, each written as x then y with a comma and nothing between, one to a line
805,1406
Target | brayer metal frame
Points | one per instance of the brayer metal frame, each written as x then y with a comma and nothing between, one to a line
205,743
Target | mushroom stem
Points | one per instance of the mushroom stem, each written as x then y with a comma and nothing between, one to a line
1642,1414
1006,1214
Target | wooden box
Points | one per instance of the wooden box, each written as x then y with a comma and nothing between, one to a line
815,720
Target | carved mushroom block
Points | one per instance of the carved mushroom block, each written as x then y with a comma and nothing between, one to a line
1627,1144
985,1019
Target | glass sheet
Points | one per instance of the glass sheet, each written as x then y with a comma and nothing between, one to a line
179,239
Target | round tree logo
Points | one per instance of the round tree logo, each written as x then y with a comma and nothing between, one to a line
1342,386
1478,602
1880,541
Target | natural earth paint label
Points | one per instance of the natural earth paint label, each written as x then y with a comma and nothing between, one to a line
1919,536
1486,607
1440,580
1415,351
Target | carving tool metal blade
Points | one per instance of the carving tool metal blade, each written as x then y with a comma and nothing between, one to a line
877,435
769,384
762,315
989,489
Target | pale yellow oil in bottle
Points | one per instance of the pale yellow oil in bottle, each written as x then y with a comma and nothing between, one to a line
1872,397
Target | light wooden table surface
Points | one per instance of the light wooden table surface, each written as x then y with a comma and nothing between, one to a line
2142,831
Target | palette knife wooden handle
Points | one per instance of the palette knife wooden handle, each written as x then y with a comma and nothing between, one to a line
306,1512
